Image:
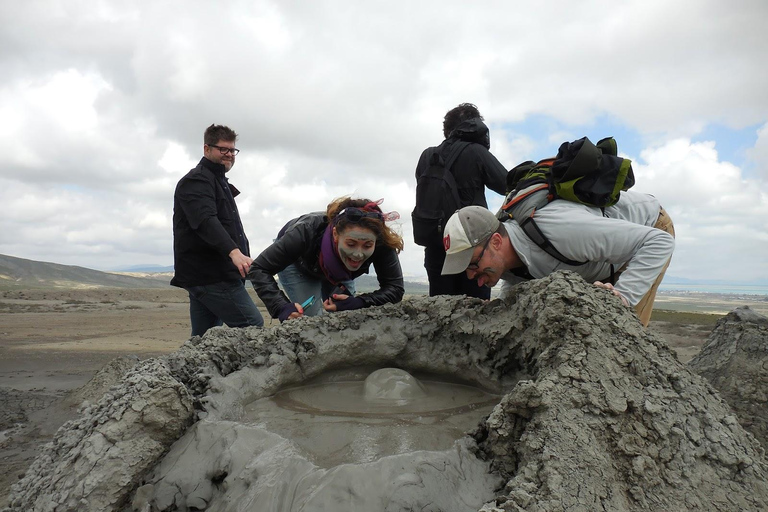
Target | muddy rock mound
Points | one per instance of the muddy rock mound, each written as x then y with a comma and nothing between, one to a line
735,361
611,420
94,460
596,414
110,375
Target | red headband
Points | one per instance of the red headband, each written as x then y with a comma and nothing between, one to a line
373,206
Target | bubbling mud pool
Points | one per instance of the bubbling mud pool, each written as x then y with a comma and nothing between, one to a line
350,418
347,441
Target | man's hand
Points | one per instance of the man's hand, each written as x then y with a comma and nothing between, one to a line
241,261
609,287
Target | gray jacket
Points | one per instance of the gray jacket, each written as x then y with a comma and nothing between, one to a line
624,236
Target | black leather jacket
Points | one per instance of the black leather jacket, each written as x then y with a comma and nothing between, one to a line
300,244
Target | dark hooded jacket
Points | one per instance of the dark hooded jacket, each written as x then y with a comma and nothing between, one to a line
206,227
299,243
473,167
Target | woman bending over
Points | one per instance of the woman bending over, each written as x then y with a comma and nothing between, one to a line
320,254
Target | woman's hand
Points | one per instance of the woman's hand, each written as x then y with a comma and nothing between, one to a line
291,311
342,302
329,305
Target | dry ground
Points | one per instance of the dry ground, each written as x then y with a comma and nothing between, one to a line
53,341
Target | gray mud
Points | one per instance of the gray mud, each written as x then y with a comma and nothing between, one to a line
350,420
735,361
597,414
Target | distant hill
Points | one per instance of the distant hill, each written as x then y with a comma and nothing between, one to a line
366,283
18,273
145,268
715,282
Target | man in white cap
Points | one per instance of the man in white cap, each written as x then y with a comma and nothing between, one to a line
630,245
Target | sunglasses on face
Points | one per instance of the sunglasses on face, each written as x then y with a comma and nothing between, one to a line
355,214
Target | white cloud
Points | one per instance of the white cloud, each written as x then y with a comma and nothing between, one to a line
759,153
175,158
61,105
720,216
76,113
104,104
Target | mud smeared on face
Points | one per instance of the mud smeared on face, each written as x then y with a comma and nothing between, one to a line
356,245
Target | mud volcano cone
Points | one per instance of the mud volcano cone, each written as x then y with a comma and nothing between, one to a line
735,361
596,414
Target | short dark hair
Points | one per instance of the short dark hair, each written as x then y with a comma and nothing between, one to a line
217,132
458,114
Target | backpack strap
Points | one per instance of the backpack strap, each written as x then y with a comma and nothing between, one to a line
455,150
534,233
448,175
613,277
447,164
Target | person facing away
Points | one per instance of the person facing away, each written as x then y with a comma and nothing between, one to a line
210,249
320,254
474,168
626,250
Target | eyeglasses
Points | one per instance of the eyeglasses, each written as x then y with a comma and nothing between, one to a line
225,151
475,265
356,214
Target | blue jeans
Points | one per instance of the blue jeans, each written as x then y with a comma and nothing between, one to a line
226,302
298,286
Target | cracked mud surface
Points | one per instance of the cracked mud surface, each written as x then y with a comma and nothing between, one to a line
735,361
596,412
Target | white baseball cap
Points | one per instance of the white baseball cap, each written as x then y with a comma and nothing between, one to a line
465,230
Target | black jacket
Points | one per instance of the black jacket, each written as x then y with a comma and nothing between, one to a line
300,244
475,168
206,227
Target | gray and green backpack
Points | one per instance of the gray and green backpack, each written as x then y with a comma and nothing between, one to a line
582,172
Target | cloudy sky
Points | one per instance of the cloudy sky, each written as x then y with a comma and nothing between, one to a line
103,105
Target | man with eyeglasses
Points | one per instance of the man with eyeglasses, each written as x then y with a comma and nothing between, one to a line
210,249
624,248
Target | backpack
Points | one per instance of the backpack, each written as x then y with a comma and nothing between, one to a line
582,172
437,198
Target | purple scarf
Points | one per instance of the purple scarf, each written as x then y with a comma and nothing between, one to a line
330,263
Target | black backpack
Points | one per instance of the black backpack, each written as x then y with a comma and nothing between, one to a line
437,198
582,172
